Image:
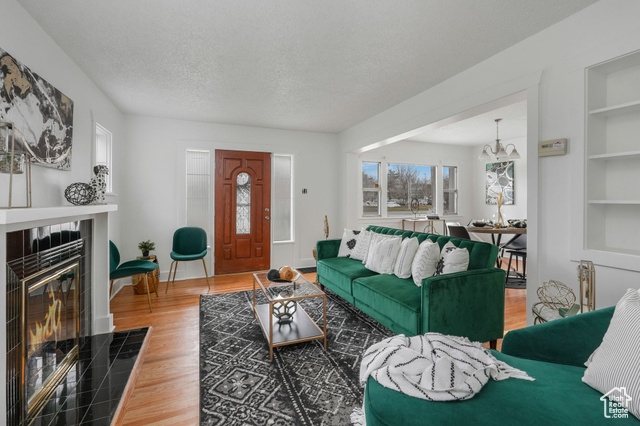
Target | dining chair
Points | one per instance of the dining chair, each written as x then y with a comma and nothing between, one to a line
517,248
189,243
459,231
128,269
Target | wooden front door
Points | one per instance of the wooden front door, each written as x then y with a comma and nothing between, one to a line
243,211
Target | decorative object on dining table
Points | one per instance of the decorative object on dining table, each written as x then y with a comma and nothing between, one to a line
42,114
556,301
79,194
479,223
415,207
433,217
146,246
284,310
517,223
99,183
500,179
587,280
14,161
499,221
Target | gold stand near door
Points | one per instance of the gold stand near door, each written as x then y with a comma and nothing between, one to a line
243,211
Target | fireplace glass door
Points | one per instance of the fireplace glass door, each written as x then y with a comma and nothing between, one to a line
50,330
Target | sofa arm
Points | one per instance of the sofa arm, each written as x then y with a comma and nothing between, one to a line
469,304
568,341
327,248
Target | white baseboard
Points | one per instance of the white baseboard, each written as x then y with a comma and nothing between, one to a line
103,325
306,263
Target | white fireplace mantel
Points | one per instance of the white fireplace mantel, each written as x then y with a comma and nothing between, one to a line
21,216
17,219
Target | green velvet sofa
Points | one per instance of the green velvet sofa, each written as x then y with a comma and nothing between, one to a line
553,353
469,304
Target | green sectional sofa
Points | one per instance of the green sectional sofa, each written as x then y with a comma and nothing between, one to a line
469,304
553,353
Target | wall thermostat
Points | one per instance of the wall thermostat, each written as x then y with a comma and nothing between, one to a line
553,147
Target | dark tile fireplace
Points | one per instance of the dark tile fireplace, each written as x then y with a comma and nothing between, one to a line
48,312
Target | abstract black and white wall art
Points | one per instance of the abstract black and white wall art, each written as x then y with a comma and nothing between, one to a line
500,179
42,115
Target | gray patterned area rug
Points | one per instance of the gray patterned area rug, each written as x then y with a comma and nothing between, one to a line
303,385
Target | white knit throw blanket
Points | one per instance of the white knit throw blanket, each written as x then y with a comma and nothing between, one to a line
434,367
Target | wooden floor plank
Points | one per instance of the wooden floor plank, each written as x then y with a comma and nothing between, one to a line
167,389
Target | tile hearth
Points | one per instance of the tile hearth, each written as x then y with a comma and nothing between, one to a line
91,392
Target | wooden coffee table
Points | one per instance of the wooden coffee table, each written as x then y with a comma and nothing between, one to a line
301,328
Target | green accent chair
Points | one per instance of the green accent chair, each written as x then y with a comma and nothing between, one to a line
553,353
189,243
128,269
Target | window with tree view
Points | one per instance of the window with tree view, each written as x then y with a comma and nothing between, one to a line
406,182
370,189
450,189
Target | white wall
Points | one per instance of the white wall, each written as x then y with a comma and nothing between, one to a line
557,108
25,40
153,194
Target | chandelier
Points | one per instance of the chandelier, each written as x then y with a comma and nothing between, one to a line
500,152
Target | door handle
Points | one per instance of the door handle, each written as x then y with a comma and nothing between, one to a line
266,217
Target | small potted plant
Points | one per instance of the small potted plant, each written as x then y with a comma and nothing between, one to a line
146,246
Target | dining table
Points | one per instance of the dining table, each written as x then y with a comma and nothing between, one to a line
497,233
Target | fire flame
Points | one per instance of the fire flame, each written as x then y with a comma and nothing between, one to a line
51,325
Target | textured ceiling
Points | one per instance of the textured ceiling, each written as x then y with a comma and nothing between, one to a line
481,129
317,65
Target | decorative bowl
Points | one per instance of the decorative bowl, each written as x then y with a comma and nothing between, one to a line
479,224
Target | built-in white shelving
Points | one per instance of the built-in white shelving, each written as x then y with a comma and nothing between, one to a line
624,108
616,155
612,169
620,202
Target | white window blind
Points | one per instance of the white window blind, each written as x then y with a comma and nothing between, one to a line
103,153
198,189
283,198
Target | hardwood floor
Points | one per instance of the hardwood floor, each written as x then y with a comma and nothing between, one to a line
167,390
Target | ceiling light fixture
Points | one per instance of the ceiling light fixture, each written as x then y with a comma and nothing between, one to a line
500,151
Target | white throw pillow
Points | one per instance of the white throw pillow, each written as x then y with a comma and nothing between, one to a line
613,367
348,243
383,254
453,259
408,250
425,261
375,237
362,247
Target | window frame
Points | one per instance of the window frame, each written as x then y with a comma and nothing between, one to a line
438,193
100,129
434,194
454,191
291,200
377,189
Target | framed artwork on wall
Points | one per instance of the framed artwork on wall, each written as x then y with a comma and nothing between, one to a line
42,115
500,178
